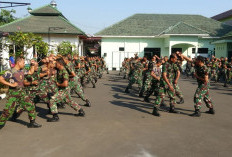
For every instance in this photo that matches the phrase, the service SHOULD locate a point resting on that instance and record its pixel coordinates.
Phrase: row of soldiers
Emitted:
(52, 80)
(219, 69)
(161, 76)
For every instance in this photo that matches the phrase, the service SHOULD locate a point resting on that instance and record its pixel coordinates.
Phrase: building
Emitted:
(49, 23)
(225, 17)
(160, 34)
(223, 46)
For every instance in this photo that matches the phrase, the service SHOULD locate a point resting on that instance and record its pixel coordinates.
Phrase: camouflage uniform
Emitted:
(170, 69)
(136, 75)
(74, 82)
(202, 91)
(17, 96)
(63, 94)
(214, 70)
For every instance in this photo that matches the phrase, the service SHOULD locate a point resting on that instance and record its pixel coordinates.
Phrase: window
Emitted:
(193, 50)
(121, 48)
(203, 50)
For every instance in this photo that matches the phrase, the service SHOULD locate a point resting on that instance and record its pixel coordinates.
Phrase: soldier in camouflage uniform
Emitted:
(88, 73)
(63, 93)
(214, 69)
(136, 74)
(16, 94)
(155, 73)
(166, 85)
(202, 92)
(74, 81)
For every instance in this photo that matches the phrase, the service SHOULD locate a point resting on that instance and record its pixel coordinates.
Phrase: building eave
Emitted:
(221, 41)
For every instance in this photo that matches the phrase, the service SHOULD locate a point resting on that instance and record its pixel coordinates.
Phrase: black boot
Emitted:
(81, 113)
(33, 124)
(181, 101)
(172, 110)
(55, 118)
(146, 99)
(197, 113)
(141, 94)
(15, 116)
(87, 103)
(94, 86)
(211, 111)
(1, 126)
(127, 90)
(124, 77)
(155, 112)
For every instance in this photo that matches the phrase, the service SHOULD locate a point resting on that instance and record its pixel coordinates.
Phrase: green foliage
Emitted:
(66, 47)
(7, 16)
(28, 40)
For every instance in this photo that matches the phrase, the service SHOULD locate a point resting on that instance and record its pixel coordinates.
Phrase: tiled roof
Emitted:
(43, 20)
(156, 24)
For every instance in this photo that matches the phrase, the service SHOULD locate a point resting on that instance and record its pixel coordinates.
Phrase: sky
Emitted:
(92, 16)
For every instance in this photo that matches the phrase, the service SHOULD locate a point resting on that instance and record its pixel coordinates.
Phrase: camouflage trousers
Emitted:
(146, 82)
(90, 78)
(75, 85)
(178, 92)
(63, 95)
(214, 74)
(17, 97)
(42, 94)
(153, 89)
(161, 95)
(202, 92)
(135, 79)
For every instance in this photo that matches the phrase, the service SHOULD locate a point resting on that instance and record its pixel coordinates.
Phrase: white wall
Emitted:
(131, 46)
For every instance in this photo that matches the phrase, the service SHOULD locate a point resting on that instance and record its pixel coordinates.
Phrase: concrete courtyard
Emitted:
(121, 125)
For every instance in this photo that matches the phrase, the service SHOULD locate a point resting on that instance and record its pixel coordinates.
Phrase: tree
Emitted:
(27, 41)
(66, 47)
(7, 16)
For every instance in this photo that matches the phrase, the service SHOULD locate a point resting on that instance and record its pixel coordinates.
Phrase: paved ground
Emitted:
(120, 125)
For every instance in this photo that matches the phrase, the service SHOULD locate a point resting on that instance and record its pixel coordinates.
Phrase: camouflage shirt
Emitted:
(62, 75)
(201, 72)
(170, 69)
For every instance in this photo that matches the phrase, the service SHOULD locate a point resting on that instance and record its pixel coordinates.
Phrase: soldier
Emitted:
(136, 74)
(16, 94)
(166, 85)
(202, 92)
(74, 82)
(64, 92)
(155, 81)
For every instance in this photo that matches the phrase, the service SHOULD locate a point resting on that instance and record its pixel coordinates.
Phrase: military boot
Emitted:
(172, 109)
(197, 113)
(1, 126)
(33, 124)
(181, 101)
(211, 111)
(15, 116)
(87, 103)
(146, 99)
(81, 113)
(127, 90)
(55, 118)
(155, 112)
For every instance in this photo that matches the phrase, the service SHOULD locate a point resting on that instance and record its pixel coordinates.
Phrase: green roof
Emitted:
(43, 21)
(156, 24)
(46, 10)
(183, 28)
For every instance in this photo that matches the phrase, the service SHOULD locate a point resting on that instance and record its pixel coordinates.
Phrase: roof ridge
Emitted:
(64, 19)
(178, 23)
(48, 5)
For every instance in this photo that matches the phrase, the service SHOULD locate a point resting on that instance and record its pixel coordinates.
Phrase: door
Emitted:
(150, 52)
(174, 50)
(229, 55)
